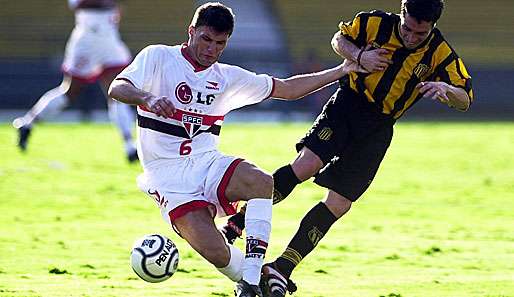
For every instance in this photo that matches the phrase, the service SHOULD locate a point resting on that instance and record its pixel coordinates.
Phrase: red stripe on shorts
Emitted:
(229, 207)
(185, 208)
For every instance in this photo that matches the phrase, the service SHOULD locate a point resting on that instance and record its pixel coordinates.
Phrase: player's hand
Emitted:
(161, 106)
(375, 60)
(434, 90)
(351, 66)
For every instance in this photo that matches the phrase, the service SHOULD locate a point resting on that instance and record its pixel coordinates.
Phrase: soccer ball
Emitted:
(154, 258)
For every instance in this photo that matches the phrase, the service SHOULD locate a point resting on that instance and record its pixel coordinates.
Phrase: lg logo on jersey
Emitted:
(184, 95)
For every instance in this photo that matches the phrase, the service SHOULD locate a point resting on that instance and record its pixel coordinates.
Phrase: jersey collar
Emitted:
(197, 67)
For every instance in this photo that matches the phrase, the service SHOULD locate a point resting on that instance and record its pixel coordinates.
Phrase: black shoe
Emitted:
(244, 289)
(23, 137)
(132, 157)
(274, 283)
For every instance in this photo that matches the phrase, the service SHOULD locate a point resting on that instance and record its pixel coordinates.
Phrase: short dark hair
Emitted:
(423, 10)
(215, 15)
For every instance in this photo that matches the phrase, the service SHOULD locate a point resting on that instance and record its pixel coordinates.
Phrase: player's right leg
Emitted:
(197, 227)
(114, 56)
(313, 227)
(47, 106)
(121, 114)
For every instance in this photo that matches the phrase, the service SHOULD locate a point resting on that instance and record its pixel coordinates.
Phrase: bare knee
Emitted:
(337, 204)
(306, 164)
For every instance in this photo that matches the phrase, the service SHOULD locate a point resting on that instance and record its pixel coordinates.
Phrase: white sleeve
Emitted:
(141, 71)
(248, 88)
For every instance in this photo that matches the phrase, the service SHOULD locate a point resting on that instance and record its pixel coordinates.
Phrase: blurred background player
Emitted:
(94, 52)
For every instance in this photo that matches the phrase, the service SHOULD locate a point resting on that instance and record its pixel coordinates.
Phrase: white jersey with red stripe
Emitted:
(202, 96)
(95, 44)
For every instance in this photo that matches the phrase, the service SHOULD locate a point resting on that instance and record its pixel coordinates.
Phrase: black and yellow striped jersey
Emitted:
(394, 90)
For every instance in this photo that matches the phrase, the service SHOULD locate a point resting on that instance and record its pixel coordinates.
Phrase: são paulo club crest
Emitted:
(183, 93)
(192, 124)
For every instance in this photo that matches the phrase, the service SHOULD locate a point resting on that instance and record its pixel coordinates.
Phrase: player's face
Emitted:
(206, 45)
(412, 32)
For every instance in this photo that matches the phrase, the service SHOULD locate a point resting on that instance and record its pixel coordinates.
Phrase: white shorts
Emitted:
(182, 185)
(90, 51)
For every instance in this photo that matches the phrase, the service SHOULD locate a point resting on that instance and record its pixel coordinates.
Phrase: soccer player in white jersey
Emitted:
(94, 52)
(183, 94)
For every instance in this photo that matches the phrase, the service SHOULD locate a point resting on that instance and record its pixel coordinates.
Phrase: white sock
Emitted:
(234, 268)
(258, 228)
(48, 106)
(122, 116)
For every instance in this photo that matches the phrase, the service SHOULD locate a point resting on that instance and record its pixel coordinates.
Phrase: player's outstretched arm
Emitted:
(124, 91)
(298, 86)
(445, 93)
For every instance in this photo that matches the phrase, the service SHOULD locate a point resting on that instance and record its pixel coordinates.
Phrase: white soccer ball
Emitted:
(154, 258)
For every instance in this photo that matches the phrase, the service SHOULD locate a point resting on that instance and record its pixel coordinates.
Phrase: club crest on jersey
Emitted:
(183, 93)
(325, 134)
(421, 70)
(192, 124)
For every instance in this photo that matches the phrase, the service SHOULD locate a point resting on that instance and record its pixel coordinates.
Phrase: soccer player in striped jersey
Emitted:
(405, 59)
(94, 52)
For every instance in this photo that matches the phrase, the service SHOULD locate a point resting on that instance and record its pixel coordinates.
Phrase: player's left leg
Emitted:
(198, 229)
(255, 186)
(313, 227)
(286, 178)
(120, 114)
(47, 106)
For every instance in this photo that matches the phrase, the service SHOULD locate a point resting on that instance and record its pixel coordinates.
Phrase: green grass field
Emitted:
(437, 221)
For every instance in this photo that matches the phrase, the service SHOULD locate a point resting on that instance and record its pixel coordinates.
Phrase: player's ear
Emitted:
(191, 31)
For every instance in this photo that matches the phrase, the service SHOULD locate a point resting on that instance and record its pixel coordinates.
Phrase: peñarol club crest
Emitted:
(192, 124)
(421, 70)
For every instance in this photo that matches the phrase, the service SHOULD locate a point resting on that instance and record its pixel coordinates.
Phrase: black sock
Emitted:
(285, 180)
(313, 227)
(234, 227)
(238, 219)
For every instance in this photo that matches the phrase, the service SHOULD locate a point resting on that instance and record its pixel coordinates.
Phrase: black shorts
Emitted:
(351, 138)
